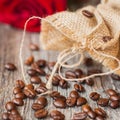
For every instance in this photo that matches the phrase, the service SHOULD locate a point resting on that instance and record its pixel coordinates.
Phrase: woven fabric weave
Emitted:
(66, 28)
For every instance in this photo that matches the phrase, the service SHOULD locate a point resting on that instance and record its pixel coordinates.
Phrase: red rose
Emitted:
(16, 12)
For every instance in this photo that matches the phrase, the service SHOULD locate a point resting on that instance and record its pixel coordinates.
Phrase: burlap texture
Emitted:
(64, 29)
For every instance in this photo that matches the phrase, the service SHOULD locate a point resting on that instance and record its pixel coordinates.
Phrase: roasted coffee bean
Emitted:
(35, 80)
(106, 38)
(17, 90)
(63, 84)
(81, 101)
(91, 114)
(15, 117)
(32, 72)
(115, 98)
(94, 96)
(78, 73)
(30, 93)
(115, 77)
(114, 104)
(88, 62)
(57, 115)
(14, 112)
(60, 97)
(87, 13)
(99, 118)
(10, 67)
(71, 101)
(50, 65)
(40, 71)
(59, 103)
(70, 74)
(41, 89)
(79, 88)
(80, 116)
(111, 92)
(55, 94)
(74, 94)
(37, 106)
(42, 101)
(41, 113)
(100, 112)
(20, 95)
(18, 101)
(41, 63)
(34, 66)
(103, 102)
(20, 84)
(10, 106)
(5, 116)
(34, 47)
(86, 108)
(55, 80)
(90, 82)
(29, 86)
(29, 60)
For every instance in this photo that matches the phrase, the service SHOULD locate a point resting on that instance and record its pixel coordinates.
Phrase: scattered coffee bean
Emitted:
(18, 101)
(115, 98)
(81, 101)
(10, 67)
(29, 86)
(63, 84)
(80, 116)
(5, 116)
(34, 47)
(99, 118)
(70, 74)
(115, 77)
(94, 96)
(20, 84)
(41, 113)
(30, 93)
(37, 106)
(17, 90)
(114, 104)
(15, 117)
(42, 101)
(60, 97)
(91, 114)
(14, 112)
(29, 60)
(41, 89)
(88, 62)
(55, 94)
(50, 65)
(106, 38)
(111, 92)
(57, 115)
(90, 82)
(10, 106)
(71, 101)
(86, 108)
(35, 80)
(32, 72)
(20, 95)
(40, 71)
(41, 63)
(100, 112)
(87, 14)
(74, 94)
(103, 102)
(79, 88)
(59, 103)
(78, 73)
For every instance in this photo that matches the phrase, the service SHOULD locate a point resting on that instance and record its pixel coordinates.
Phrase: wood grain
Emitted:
(9, 52)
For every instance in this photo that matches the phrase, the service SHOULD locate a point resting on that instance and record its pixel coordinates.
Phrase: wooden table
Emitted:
(9, 52)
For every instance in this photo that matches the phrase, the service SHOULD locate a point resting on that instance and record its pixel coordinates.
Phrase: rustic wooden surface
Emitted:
(9, 52)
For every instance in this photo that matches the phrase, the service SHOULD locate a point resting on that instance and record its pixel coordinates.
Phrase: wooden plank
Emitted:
(9, 52)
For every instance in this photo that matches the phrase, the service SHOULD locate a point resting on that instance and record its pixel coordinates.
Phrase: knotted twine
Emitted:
(75, 34)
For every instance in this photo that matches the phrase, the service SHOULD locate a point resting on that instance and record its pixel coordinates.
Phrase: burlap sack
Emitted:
(64, 29)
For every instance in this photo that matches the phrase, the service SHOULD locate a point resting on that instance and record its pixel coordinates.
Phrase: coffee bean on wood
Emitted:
(10, 66)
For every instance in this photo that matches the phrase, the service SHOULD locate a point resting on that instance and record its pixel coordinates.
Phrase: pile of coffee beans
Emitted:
(37, 86)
